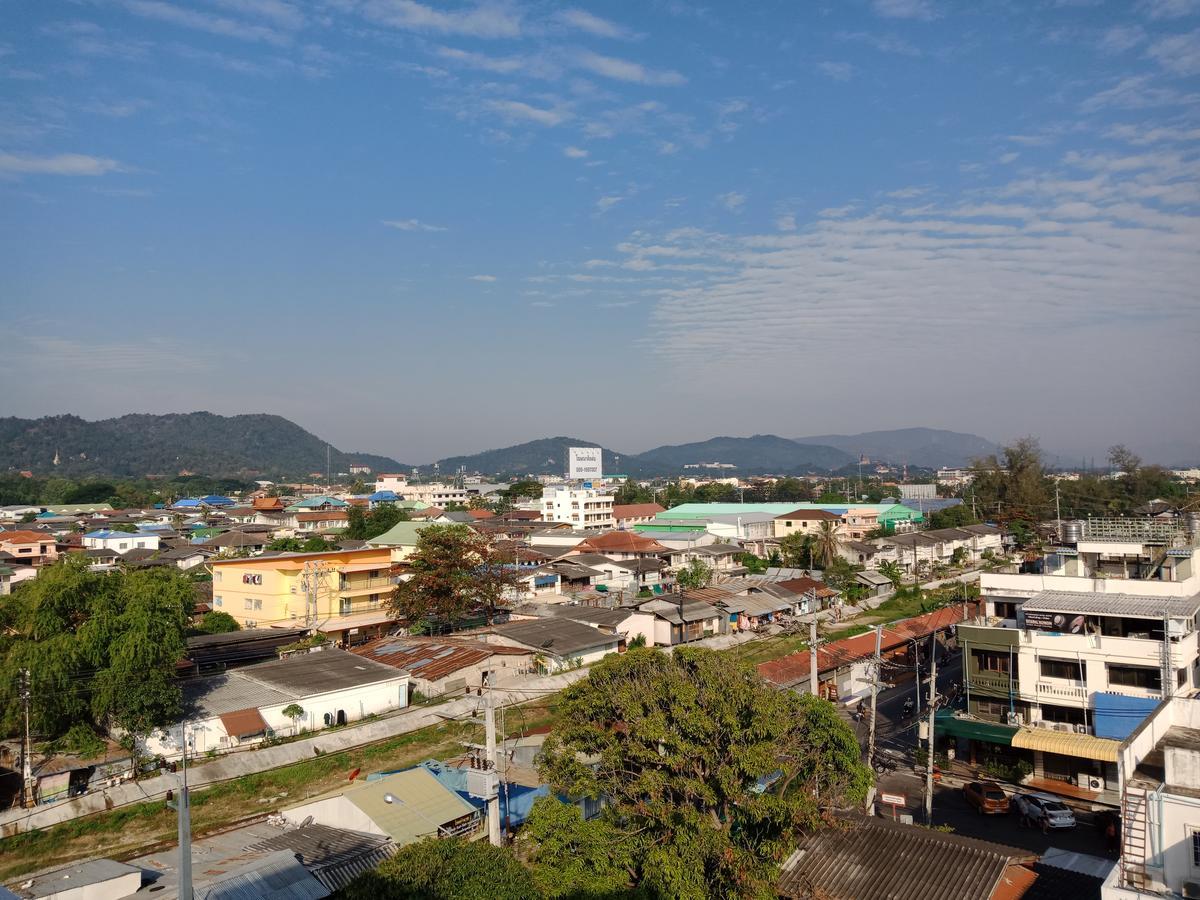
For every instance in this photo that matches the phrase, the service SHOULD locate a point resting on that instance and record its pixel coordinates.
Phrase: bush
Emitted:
(447, 870)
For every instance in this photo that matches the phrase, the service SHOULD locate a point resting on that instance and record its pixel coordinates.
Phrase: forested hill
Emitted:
(136, 445)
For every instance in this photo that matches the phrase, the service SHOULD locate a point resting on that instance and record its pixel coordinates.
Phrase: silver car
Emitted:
(1045, 811)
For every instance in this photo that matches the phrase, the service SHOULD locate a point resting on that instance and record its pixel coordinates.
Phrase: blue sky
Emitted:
(423, 229)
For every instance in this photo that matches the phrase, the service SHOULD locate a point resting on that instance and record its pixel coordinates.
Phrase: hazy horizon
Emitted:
(424, 230)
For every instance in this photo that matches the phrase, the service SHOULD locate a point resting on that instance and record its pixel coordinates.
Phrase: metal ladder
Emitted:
(1134, 834)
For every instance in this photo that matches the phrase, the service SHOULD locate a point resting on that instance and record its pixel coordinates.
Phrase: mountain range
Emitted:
(270, 446)
(199, 442)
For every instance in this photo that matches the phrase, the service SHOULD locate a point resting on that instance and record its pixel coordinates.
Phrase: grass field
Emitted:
(132, 830)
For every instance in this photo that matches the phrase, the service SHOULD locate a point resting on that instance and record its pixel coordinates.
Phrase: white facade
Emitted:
(120, 541)
(918, 491)
(584, 509)
(1161, 819)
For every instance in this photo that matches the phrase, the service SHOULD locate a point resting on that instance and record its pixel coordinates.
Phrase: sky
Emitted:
(426, 229)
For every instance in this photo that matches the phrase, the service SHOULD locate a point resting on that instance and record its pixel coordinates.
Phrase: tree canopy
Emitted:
(363, 525)
(455, 572)
(100, 647)
(707, 771)
(446, 869)
(696, 574)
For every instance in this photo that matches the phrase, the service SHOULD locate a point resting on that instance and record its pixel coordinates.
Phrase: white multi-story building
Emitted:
(954, 477)
(435, 493)
(584, 509)
(1066, 663)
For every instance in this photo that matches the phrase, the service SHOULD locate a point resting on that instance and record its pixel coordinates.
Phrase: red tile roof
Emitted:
(805, 584)
(268, 503)
(481, 513)
(621, 542)
(636, 510)
(330, 515)
(793, 669)
(25, 537)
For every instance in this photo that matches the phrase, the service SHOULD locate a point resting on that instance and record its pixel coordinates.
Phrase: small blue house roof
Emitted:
(216, 500)
(188, 503)
(383, 497)
(105, 533)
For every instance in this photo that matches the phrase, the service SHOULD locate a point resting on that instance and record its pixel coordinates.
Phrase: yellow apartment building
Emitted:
(341, 593)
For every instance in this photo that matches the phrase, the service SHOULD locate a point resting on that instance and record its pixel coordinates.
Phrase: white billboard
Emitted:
(583, 463)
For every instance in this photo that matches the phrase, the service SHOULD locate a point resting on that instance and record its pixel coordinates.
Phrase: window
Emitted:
(991, 661)
(995, 710)
(217, 601)
(1196, 847)
(1062, 668)
(217, 575)
(344, 607)
(1074, 715)
(1181, 677)
(249, 603)
(1135, 677)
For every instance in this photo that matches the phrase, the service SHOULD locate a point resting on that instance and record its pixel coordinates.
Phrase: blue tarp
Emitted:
(1115, 716)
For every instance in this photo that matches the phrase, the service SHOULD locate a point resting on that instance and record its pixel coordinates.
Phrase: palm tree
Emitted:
(828, 541)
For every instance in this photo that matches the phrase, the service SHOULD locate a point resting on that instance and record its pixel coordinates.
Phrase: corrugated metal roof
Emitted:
(557, 636)
(243, 722)
(277, 876)
(873, 859)
(420, 804)
(423, 659)
(1067, 743)
(1136, 605)
(334, 856)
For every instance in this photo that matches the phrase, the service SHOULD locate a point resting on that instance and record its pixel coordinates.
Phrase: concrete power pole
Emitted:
(932, 711)
(183, 809)
(874, 696)
(27, 792)
(812, 655)
(493, 792)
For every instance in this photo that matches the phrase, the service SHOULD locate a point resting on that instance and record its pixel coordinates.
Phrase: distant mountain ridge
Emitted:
(930, 448)
(201, 442)
(761, 453)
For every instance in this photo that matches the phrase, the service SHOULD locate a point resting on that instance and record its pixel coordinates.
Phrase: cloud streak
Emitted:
(69, 164)
(412, 225)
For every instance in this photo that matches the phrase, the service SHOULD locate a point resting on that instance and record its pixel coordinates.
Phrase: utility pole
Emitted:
(874, 696)
(932, 710)
(27, 746)
(493, 792)
(812, 654)
(183, 808)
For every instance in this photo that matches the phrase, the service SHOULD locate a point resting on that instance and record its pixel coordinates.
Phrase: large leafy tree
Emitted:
(446, 870)
(712, 772)
(99, 647)
(454, 572)
(363, 525)
(696, 574)
(571, 857)
(1013, 485)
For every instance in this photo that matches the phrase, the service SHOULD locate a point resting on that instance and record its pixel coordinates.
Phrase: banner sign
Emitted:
(583, 463)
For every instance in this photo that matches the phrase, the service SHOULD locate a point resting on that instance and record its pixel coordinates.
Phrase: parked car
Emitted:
(1045, 811)
(986, 797)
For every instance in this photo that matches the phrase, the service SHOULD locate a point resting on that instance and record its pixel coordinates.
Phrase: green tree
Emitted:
(286, 545)
(1015, 483)
(356, 524)
(447, 869)
(1124, 460)
(890, 569)
(696, 574)
(573, 858)
(295, 712)
(218, 622)
(828, 542)
(454, 572)
(798, 549)
(681, 747)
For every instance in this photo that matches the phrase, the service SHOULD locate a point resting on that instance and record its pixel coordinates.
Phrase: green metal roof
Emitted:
(419, 804)
(888, 512)
(402, 534)
(946, 723)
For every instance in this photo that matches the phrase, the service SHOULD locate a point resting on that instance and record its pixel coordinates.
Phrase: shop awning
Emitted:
(1067, 743)
(243, 722)
(975, 729)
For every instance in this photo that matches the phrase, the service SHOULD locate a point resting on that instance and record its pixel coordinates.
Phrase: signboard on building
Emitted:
(583, 463)
(1068, 623)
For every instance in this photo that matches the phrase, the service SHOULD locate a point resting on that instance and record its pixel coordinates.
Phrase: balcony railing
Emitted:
(1050, 689)
(991, 681)
(1150, 531)
(368, 584)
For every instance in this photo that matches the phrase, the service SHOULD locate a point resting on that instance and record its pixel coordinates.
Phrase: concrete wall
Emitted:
(334, 812)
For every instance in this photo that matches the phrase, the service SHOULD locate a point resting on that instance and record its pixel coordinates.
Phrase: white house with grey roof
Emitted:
(244, 706)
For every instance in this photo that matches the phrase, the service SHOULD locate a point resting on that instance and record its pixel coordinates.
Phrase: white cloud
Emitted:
(201, 21)
(1179, 53)
(117, 109)
(905, 193)
(1169, 9)
(732, 201)
(575, 153)
(502, 65)
(487, 20)
(1141, 135)
(484, 278)
(885, 43)
(604, 204)
(582, 20)
(1120, 38)
(517, 110)
(924, 10)
(283, 14)
(1136, 92)
(1007, 158)
(668, 148)
(62, 164)
(786, 223)
(626, 70)
(412, 225)
(838, 71)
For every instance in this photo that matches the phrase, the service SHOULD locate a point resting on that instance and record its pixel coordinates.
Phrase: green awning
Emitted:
(951, 726)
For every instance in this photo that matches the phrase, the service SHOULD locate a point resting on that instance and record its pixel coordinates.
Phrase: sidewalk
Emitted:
(235, 765)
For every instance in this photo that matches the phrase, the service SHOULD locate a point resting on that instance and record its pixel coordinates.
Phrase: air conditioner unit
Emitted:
(1082, 729)
(1065, 726)
(1089, 781)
